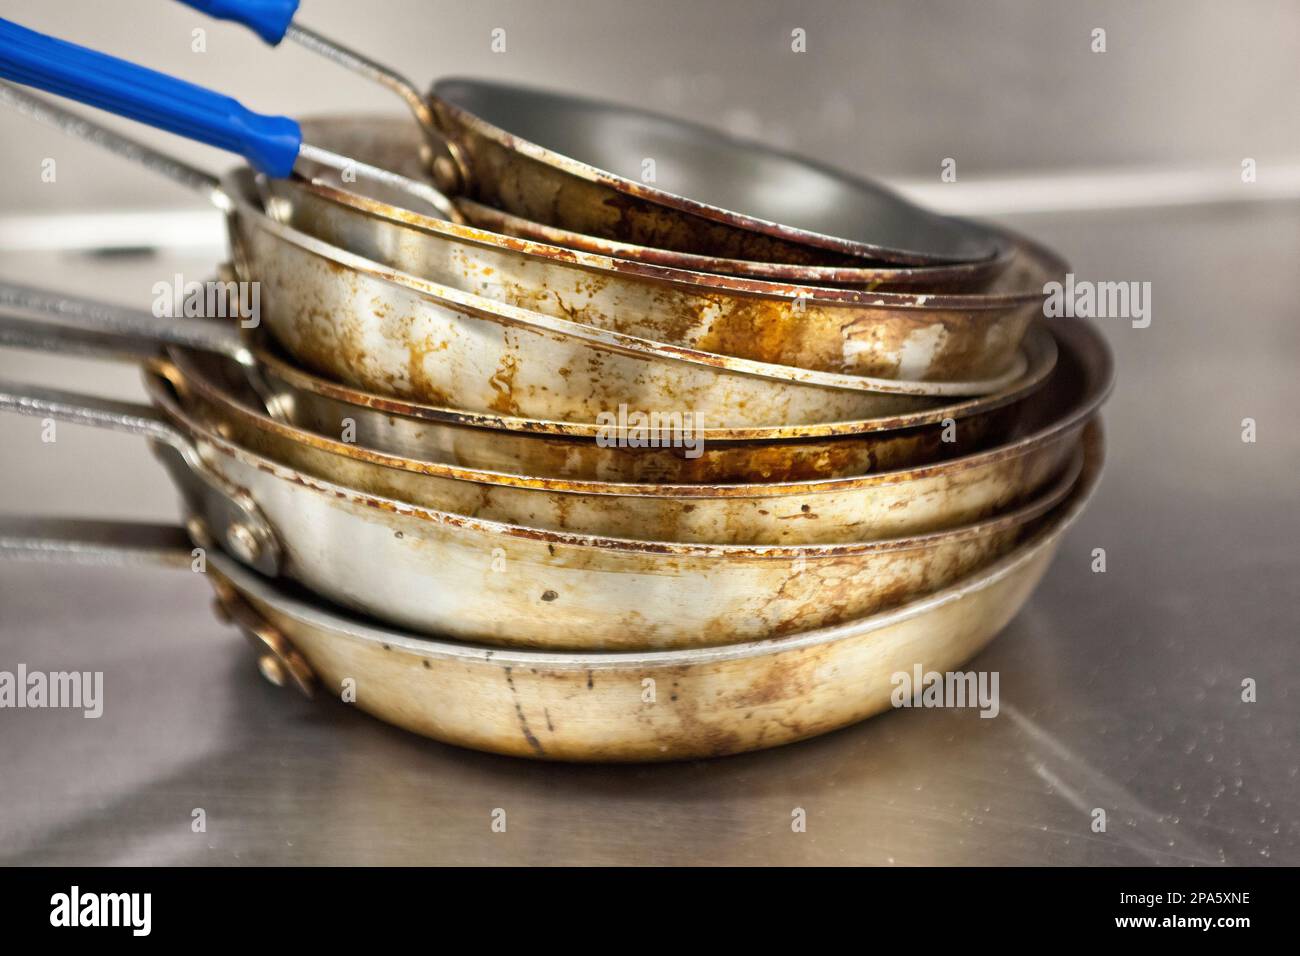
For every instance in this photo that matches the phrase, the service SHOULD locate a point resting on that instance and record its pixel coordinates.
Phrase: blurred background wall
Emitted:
(888, 87)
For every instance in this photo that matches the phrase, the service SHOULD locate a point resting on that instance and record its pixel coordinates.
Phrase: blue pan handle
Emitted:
(269, 143)
(270, 19)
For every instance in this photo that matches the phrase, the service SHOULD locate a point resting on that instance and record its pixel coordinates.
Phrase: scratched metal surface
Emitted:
(1119, 691)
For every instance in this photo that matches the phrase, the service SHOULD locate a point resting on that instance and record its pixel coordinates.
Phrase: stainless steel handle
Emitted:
(111, 322)
(80, 541)
(47, 337)
(47, 112)
(67, 324)
(449, 167)
(123, 543)
(226, 511)
(131, 417)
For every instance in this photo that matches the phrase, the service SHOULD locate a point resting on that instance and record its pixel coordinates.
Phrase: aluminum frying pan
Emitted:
(393, 139)
(889, 504)
(545, 448)
(469, 579)
(575, 162)
(591, 706)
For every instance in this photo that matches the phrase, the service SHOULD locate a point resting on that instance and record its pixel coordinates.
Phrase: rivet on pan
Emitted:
(198, 530)
(271, 669)
(221, 612)
(446, 175)
(243, 543)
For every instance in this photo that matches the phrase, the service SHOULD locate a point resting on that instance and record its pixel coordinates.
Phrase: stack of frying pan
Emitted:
(427, 471)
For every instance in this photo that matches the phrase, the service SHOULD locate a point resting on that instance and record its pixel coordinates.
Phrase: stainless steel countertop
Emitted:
(1119, 690)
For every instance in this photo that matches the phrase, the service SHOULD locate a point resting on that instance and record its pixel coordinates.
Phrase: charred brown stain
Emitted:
(552, 537)
(602, 205)
(502, 383)
(533, 742)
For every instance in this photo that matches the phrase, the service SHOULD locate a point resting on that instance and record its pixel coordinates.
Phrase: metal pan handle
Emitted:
(216, 503)
(54, 322)
(110, 323)
(87, 541)
(225, 510)
(45, 337)
(273, 21)
(52, 114)
(127, 543)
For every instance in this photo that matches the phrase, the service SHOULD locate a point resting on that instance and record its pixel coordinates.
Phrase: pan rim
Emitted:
(342, 623)
(703, 282)
(644, 349)
(1036, 375)
(202, 434)
(593, 174)
(835, 279)
(1058, 429)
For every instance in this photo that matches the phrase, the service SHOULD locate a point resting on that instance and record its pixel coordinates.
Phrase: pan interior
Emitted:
(729, 174)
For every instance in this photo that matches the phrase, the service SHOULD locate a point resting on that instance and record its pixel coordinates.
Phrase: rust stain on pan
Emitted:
(705, 312)
(968, 277)
(885, 504)
(713, 701)
(1041, 359)
(1093, 392)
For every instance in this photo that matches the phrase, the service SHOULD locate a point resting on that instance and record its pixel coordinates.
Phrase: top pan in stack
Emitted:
(638, 330)
(965, 341)
(557, 158)
(923, 336)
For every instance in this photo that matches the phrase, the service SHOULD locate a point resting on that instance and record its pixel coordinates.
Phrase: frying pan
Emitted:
(920, 336)
(637, 706)
(473, 579)
(890, 335)
(869, 508)
(542, 448)
(377, 139)
(388, 331)
(389, 139)
(392, 139)
(568, 160)
(962, 277)
(392, 332)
